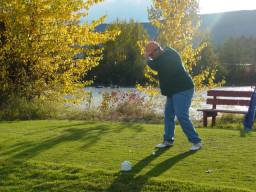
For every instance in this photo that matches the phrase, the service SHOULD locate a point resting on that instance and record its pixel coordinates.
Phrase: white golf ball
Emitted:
(126, 166)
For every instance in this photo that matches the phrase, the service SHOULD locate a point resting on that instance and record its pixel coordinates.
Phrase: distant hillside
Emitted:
(221, 26)
(231, 24)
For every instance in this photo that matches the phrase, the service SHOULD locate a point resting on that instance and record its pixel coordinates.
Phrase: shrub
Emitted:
(16, 108)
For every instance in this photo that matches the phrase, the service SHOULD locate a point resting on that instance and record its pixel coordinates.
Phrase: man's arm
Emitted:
(153, 65)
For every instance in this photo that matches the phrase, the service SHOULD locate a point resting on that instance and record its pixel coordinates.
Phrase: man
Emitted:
(177, 85)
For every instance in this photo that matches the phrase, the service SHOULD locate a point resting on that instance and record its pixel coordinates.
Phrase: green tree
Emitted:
(238, 59)
(238, 51)
(209, 59)
(122, 62)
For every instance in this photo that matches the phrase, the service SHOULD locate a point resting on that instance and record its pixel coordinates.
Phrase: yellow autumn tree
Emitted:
(39, 41)
(177, 24)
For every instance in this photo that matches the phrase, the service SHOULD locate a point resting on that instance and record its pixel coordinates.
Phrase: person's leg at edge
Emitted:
(182, 102)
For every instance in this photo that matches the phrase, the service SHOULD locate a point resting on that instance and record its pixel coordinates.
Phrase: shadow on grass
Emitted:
(90, 135)
(16, 148)
(58, 127)
(129, 182)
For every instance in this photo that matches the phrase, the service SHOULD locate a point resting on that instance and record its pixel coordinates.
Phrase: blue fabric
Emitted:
(178, 105)
(250, 116)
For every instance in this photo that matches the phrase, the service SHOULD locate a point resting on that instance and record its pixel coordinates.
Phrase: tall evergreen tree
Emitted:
(122, 62)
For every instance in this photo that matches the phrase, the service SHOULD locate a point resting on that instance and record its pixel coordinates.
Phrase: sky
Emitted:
(137, 9)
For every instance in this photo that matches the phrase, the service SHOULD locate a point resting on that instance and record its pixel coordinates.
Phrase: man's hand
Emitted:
(146, 55)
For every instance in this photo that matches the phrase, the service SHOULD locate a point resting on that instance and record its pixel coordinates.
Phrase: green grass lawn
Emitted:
(86, 156)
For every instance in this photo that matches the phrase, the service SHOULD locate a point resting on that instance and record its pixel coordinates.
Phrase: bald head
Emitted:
(153, 49)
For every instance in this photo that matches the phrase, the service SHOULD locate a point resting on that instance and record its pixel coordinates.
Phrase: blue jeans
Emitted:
(178, 105)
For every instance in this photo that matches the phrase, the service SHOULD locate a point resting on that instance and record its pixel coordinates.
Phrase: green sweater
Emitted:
(173, 78)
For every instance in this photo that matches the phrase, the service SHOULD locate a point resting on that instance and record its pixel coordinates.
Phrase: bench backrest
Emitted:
(240, 98)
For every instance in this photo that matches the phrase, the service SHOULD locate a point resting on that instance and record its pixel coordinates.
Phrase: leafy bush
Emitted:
(17, 108)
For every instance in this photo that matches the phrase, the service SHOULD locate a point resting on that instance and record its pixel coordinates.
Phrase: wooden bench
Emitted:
(225, 97)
